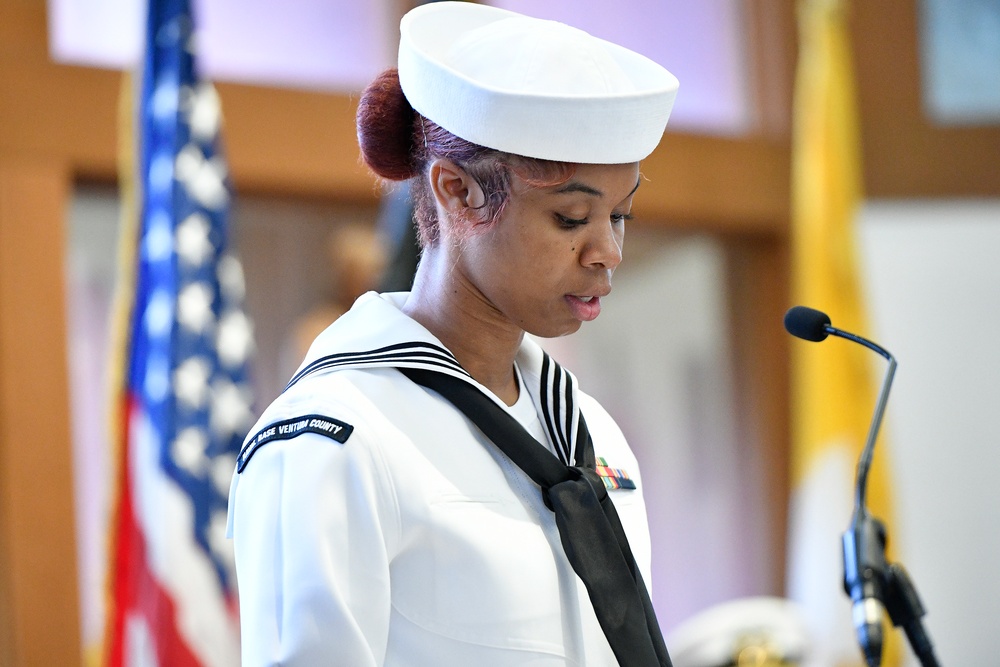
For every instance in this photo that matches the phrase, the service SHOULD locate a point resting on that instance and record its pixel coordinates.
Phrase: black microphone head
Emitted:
(807, 323)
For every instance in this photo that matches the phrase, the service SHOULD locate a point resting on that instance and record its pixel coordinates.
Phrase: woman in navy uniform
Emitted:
(432, 487)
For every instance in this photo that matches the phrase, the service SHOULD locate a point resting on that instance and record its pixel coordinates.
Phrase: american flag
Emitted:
(186, 403)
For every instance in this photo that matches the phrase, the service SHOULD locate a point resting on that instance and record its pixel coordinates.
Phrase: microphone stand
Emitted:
(867, 575)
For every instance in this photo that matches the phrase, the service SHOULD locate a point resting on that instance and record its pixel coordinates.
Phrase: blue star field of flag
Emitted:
(191, 340)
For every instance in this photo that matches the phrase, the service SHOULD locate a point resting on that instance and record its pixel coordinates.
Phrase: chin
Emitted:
(556, 331)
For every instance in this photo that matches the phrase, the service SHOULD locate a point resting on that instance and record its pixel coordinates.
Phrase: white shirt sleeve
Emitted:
(310, 520)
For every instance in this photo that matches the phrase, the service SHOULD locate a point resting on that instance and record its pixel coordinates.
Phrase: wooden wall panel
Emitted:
(716, 184)
(38, 541)
(758, 294)
(905, 154)
(304, 143)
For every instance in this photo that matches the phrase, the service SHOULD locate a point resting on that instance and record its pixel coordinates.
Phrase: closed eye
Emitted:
(570, 222)
(616, 218)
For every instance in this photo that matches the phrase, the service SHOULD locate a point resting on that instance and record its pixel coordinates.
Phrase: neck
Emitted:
(482, 340)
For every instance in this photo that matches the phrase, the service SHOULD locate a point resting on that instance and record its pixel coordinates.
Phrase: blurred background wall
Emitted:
(689, 356)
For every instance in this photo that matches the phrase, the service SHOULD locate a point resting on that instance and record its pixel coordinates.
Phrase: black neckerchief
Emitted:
(589, 527)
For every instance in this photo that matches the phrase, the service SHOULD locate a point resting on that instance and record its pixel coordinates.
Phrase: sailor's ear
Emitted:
(455, 190)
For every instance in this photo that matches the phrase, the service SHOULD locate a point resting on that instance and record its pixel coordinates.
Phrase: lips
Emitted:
(585, 308)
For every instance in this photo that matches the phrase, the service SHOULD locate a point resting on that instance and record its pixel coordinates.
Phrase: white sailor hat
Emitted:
(761, 631)
(532, 87)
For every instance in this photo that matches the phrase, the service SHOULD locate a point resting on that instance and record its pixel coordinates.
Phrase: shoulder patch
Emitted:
(289, 428)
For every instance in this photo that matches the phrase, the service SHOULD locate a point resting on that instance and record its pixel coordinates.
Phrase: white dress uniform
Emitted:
(374, 524)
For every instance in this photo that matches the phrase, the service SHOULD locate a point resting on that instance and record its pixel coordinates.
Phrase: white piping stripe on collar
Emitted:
(411, 354)
(560, 413)
(559, 408)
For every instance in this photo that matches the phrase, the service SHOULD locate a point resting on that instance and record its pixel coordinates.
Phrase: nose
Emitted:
(604, 248)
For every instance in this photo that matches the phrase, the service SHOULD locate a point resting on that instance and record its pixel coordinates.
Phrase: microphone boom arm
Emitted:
(868, 578)
(865, 462)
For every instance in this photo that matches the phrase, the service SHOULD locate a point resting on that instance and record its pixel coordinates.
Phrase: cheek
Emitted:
(552, 260)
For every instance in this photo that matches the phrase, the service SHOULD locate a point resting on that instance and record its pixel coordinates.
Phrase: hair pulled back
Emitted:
(398, 143)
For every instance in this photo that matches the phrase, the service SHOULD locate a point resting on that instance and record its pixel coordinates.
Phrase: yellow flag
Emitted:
(833, 388)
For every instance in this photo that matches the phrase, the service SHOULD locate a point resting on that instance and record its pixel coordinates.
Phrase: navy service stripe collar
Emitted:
(556, 391)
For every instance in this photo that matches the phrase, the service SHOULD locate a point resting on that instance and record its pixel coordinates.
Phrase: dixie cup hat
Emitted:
(760, 630)
(532, 87)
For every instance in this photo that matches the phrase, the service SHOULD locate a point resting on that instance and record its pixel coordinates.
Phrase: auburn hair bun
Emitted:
(385, 128)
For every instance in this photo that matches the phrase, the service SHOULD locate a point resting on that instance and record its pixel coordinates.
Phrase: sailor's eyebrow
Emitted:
(576, 186)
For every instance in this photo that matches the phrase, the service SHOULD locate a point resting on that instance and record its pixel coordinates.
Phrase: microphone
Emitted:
(807, 323)
(865, 568)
